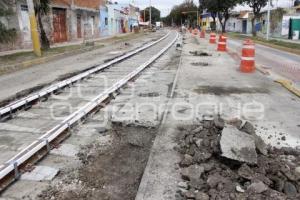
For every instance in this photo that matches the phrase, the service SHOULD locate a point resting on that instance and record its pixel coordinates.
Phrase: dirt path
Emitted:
(109, 173)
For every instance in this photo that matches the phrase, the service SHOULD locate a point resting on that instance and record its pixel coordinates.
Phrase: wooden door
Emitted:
(79, 34)
(59, 25)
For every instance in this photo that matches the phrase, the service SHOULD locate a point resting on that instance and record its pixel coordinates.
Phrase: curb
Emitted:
(22, 65)
(289, 86)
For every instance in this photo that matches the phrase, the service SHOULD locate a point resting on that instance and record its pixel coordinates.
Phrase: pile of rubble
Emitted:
(227, 160)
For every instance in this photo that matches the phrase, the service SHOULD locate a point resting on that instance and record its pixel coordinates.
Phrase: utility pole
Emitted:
(33, 26)
(268, 20)
(150, 15)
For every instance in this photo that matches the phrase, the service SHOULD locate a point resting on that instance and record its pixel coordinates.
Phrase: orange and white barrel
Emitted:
(202, 34)
(222, 44)
(248, 57)
(195, 31)
(212, 39)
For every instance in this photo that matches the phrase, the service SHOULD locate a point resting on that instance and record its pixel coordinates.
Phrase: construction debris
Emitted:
(222, 161)
(200, 53)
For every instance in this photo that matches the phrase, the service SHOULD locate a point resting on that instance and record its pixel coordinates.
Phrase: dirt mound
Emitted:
(208, 174)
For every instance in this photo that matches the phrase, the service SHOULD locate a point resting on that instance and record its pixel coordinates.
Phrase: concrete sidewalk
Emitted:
(64, 44)
(219, 88)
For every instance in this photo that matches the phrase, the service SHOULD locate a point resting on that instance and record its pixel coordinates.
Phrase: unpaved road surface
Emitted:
(113, 172)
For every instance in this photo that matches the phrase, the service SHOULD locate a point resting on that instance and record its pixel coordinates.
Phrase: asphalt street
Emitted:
(281, 62)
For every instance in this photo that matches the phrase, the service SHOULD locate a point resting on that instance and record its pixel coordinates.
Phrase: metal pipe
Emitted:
(268, 20)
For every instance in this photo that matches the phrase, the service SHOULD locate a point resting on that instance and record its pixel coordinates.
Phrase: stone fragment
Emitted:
(247, 127)
(239, 189)
(238, 146)
(219, 122)
(183, 185)
(213, 180)
(186, 161)
(201, 196)
(257, 187)
(246, 172)
(290, 189)
(193, 171)
(189, 195)
(40, 173)
(200, 157)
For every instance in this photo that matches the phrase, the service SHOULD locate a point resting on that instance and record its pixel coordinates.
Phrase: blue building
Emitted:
(103, 26)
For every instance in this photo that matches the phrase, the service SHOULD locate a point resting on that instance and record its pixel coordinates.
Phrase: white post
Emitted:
(268, 20)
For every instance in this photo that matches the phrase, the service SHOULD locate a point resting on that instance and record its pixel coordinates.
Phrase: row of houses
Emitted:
(284, 22)
(71, 20)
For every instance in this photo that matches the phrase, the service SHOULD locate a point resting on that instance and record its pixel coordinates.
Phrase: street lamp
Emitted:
(186, 12)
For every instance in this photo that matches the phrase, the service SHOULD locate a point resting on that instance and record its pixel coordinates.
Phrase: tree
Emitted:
(256, 6)
(220, 9)
(6, 34)
(42, 8)
(155, 14)
(182, 13)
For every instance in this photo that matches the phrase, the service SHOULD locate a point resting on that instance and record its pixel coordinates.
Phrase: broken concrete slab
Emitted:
(40, 173)
(66, 150)
(238, 146)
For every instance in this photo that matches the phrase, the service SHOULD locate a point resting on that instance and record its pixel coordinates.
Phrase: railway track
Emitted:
(29, 136)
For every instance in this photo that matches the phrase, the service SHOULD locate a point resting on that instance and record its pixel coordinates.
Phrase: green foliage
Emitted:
(155, 14)
(6, 35)
(220, 9)
(185, 12)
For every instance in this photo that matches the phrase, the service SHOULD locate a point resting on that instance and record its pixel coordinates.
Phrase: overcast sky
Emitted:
(165, 6)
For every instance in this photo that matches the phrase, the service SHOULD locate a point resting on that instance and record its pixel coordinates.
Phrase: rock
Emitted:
(238, 146)
(297, 171)
(207, 166)
(193, 171)
(247, 127)
(257, 187)
(196, 183)
(186, 161)
(246, 172)
(101, 129)
(198, 142)
(198, 129)
(189, 195)
(290, 189)
(214, 179)
(201, 196)
(200, 157)
(260, 145)
(182, 185)
(219, 122)
(239, 189)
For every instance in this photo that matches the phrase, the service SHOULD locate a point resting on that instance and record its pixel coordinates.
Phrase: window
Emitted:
(24, 7)
(106, 21)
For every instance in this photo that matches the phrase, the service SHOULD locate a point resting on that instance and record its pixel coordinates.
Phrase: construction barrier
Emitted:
(248, 54)
(195, 31)
(212, 39)
(202, 34)
(222, 46)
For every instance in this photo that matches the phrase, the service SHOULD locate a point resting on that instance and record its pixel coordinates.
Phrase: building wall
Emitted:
(104, 21)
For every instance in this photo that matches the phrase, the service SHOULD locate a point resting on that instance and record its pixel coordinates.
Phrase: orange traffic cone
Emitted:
(248, 54)
(212, 39)
(202, 34)
(222, 46)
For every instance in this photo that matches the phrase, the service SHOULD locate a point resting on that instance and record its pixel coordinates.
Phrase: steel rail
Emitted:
(42, 142)
(35, 96)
